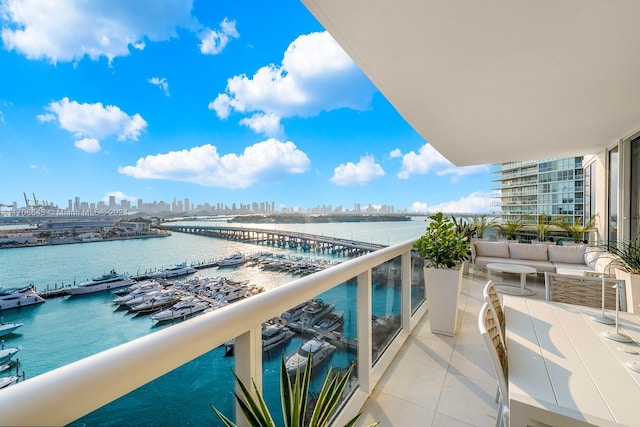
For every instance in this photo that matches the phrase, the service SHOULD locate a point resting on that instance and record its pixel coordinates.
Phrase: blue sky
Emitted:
(219, 101)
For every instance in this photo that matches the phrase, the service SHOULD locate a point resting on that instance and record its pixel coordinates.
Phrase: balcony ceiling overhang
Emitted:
(501, 80)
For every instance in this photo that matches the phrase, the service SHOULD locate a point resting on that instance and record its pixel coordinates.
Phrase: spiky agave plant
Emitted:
(294, 399)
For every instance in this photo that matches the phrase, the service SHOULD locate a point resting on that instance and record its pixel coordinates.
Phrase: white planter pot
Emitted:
(443, 293)
(632, 290)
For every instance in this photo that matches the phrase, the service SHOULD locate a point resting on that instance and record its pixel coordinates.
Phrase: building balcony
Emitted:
(413, 378)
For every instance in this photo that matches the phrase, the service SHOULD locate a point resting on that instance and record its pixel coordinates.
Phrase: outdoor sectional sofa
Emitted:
(574, 259)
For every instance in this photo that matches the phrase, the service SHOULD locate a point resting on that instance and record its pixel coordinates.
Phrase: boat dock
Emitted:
(281, 238)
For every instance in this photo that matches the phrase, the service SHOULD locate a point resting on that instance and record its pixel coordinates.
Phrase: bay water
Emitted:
(66, 329)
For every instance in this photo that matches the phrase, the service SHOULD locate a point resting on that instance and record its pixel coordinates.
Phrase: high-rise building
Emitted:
(553, 187)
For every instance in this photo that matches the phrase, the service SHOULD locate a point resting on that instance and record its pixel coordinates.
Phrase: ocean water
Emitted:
(66, 329)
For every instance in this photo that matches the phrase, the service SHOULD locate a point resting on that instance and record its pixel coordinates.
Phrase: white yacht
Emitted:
(182, 309)
(319, 349)
(111, 280)
(7, 353)
(177, 270)
(18, 297)
(7, 328)
(137, 290)
(7, 381)
(273, 335)
(331, 322)
(235, 259)
(314, 311)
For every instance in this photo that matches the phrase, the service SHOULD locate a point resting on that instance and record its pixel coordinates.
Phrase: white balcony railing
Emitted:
(63, 395)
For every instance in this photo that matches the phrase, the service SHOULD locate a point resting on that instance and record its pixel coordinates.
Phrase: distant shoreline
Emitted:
(108, 239)
(313, 219)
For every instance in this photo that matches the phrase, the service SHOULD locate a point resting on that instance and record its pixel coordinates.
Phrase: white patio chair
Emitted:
(490, 331)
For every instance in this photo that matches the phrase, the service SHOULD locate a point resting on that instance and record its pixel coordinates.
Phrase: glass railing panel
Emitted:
(418, 292)
(326, 324)
(386, 305)
(179, 398)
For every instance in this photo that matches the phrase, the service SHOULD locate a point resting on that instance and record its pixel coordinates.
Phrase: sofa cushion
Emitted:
(591, 255)
(492, 249)
(537, 252)
(573, 269)
(605, 263)
(566, 254)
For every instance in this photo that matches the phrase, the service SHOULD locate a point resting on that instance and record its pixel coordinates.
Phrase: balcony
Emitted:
(415, 375)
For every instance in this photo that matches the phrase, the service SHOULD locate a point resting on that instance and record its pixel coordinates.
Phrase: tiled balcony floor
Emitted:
(443, 381)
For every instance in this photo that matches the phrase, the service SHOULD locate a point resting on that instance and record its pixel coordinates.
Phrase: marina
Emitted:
(79, 326)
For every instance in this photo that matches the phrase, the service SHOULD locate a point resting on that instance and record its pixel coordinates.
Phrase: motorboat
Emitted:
(274, 335)
(232, 293)
(5, 365)
(235, 259)
(148, 296)
(7, 381)
(181, 269)
(156, 303)
(136, 291)
(182, 309)
(111, 280)
(18, 297)
(314, 311)
(7, 353)
(317, 347)
(7, 328)
(294, 314)
(331, 322)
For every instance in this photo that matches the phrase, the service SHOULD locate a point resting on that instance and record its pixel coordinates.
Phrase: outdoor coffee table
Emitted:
(506, 288)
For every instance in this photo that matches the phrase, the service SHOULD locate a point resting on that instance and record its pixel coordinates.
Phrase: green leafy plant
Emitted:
(482, 223)
(442, 245)
(510, 228)
(542, 225)
(576, 229)
(294, 398)
(464, 227)
(627, 255)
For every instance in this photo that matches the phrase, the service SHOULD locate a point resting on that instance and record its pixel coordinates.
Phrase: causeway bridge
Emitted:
(281, 239)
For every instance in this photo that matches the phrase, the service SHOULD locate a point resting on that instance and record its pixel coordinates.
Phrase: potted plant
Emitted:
(444, 250)
(576, 229)
(296, 406)
(482, 223)
(626, 261)
(542, 225)
(469, 230)
(510, 228)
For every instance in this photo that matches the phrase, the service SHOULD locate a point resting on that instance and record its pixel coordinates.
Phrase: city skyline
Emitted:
(33, 205)
(226, 101)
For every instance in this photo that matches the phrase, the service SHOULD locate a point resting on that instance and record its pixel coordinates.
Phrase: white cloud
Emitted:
(477, 202)
(264, 162)
(357, 173)
(394, 154)
(162, 83)
(68, 30)
(429, 160)
(90, 145)
(213, 42)
(315, 75)
(93, 122)
(266, 124)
